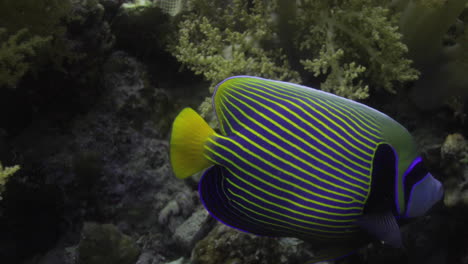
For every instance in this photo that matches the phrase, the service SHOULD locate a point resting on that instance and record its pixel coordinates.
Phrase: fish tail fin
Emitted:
(189, 135)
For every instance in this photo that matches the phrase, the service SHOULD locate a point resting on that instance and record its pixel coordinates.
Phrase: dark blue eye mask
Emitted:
(422, 190)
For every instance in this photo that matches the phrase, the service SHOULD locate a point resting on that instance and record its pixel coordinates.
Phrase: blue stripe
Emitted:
(288, 180)
(307, 163)
(348, 108)
(295, 131)
(329, 128)
(306, 223)
(344, 214)
(309, 99)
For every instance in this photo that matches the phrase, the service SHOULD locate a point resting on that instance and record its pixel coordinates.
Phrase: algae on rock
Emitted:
(5, 173)
(106, 244)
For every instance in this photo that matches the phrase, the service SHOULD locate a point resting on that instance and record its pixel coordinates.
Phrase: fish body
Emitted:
(293, 161)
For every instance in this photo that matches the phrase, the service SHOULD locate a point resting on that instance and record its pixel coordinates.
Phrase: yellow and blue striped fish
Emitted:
(294, 161)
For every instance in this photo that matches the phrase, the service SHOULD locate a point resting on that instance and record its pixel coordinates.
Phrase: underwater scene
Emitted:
(233, 131)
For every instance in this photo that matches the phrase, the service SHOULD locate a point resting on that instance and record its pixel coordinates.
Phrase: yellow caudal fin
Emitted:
(189, 134)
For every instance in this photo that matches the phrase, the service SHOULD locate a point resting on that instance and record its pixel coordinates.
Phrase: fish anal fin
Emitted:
(382, 226)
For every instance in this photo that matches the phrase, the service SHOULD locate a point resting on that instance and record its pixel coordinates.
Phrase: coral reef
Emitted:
(435, 35)
(13, 54)
(193, 229)
(222, 39)
(105, 244)
(91, 135)
(350, 44)
(5, 173)
(31, 33)
(454, 154)
(226, 245)
(149, 41)
(356, 43)
(110, 165)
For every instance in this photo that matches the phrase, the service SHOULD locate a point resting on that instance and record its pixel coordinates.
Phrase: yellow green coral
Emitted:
(231, 39)
(14, 53)
(355, 44)
(5, 173)
(349, 46)
(31, 34)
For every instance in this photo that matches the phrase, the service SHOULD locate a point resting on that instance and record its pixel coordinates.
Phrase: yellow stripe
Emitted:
(298, 159)
(309, 106)
(220, 114)
(346, 123)
(291, 154)
(293, 218)
(367, 119)
(347, 104)
(279, 115)
(371, 130)
(304, 171)
(327, 99)
(292, 144)
(310, 165)
(320, 131)
(240, 213)
(282, 228)
(212, 151)
(294, 135)
(292, 230)
(287, 182)
(294, 203)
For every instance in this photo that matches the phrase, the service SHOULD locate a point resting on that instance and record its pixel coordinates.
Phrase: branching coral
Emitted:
(219, 40)
(355, 43)
(437, 40)
(14, 53)
(424, 23)
(31, 34)
(5, 173)
(351, 45)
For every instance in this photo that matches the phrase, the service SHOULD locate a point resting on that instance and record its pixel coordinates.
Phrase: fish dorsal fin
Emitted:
(383, 226)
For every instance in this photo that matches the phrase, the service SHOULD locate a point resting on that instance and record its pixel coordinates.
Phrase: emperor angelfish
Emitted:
(293, 161)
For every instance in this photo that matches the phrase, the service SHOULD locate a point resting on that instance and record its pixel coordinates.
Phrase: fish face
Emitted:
(424, 194)
(421, 189)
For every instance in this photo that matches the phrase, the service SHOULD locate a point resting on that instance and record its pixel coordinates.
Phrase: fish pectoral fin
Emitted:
(382, 226)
